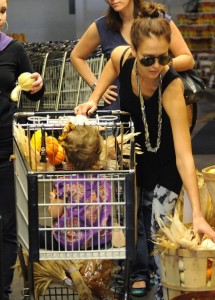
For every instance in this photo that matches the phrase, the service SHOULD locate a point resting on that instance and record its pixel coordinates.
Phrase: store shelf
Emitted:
(196, 19)
(198, 30)
(206, 6)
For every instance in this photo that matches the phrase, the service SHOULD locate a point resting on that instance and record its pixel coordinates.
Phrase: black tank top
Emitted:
(152, 168)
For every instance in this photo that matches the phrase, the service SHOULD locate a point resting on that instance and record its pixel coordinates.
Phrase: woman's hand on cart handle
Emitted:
(87, 108)
(38, 84)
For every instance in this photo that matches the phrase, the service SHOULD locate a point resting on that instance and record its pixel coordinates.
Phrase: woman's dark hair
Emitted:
(113, 20)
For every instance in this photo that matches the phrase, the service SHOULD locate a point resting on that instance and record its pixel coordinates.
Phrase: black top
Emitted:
(13, 61)
(152, 168)
(109, 39)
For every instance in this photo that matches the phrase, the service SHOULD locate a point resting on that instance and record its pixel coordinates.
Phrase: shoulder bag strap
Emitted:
(122, 57)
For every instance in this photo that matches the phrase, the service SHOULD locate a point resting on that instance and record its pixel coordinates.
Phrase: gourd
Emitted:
(212, 171)
(51, 146)
(25, 83)
(209, 272)
(58, 158)
(208, 244)
(36, 140)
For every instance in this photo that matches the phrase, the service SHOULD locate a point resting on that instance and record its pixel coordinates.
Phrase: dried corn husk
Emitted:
(108, 159)
(211, 214)
(97, 274)
(51, 271)
(176, 235)
(73, 267)
(204, 195)
(85, 277)
(42, 279)
(163, 242)
(118, 237)
(209, 177)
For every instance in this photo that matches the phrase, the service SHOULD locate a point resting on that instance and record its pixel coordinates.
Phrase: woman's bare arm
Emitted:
(174, 104)
(183, 58)
(109, 74)
(84, 48)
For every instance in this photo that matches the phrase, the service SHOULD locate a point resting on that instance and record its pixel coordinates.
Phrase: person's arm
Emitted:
(55, 211)
(108, 75)
(38, 88)
(84, 48)
(38, 83)
(25, 65)
(174, 104)
(182, 57)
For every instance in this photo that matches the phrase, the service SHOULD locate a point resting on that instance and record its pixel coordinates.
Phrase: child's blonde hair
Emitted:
(83, 146)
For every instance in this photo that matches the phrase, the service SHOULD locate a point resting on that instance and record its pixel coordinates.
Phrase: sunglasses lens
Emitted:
(147, 61)
(164, 60)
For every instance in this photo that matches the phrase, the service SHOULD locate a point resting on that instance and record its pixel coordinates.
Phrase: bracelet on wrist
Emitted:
(93, 86)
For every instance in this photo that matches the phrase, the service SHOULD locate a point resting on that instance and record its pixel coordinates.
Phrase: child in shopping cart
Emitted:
(82, 216)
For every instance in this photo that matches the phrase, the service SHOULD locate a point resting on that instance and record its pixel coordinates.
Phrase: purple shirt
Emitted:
(87, 215)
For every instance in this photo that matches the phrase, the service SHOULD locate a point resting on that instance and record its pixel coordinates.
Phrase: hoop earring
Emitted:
(5, 23)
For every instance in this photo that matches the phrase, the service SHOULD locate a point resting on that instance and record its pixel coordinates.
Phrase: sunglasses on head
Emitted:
(149, 60)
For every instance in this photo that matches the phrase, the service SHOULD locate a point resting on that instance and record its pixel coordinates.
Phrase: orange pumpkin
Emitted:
(58, 158)
(51, 146)
(209, 273)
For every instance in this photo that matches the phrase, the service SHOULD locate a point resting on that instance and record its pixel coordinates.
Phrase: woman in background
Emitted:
(113, 30)
(13, 62)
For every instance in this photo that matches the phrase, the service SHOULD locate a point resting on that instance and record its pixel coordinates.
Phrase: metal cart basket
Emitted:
(35, 179)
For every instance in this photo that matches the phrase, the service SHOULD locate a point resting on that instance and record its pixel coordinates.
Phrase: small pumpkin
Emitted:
(58, 158)
(51, 146)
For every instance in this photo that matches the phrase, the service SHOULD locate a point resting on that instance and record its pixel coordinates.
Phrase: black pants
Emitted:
(8, 214)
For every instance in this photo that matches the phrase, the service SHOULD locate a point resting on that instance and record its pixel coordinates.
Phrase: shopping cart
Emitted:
(34, 180)
(64, 87)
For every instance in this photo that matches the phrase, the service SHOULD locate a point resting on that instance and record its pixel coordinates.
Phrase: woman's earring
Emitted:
(5, 24)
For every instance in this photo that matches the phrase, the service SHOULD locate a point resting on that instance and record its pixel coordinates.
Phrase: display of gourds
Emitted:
(54, 151)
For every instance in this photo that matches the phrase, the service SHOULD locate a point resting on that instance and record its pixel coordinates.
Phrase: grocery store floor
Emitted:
(206, 112)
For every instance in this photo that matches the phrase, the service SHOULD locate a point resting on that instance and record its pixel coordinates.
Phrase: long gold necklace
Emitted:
(147, 138)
